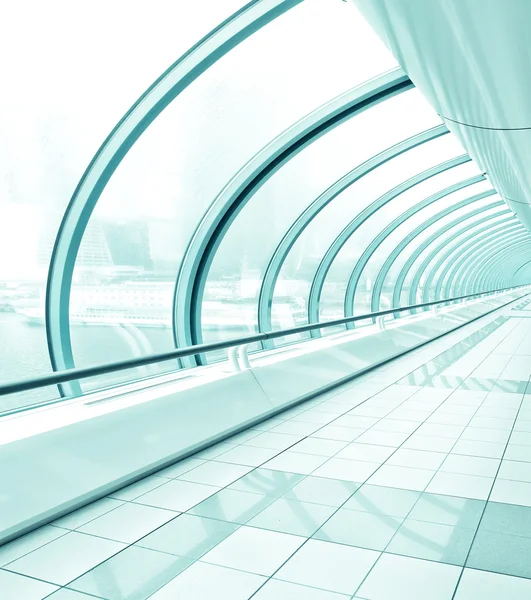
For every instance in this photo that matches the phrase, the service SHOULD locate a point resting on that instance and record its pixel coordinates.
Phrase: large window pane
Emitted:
(70, 72)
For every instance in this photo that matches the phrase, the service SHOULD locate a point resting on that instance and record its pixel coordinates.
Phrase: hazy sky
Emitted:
(71, 69)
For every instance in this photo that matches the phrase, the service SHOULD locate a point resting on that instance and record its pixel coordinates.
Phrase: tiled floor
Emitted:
(411, 483)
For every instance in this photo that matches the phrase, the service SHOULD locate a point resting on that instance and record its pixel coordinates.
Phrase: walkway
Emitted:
(412, 483)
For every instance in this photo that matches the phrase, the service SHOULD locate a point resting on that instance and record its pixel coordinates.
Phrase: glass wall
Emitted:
(319, 227)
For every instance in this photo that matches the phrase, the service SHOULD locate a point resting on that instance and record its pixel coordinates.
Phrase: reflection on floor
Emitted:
(412, 483)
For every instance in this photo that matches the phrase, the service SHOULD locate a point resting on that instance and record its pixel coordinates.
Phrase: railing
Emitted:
(86, 372)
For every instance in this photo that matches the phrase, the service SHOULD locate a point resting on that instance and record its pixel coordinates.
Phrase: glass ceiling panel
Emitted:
(174, 172)
(306, 254)
(354, 248)
(71, 70)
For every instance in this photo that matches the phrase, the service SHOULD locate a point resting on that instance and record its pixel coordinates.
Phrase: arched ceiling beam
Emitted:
(281, 252)
(211, 230)
(357, 222)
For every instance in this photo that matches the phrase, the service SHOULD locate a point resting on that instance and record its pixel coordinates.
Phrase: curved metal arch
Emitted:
(497, 266)
(509, 264)
(410, 237)
(521, 267)
(469, 275)
(456, 247)
(146, 109)
(214, 225)
(471, 253)
(281, 252)
(397, 292)
(353, 226)
(449, 268)
(471, 241)
(513, 265)
(480, 274)
(468, 260)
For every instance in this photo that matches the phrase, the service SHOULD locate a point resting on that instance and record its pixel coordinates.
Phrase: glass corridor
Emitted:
(275, 168)
(261, 171)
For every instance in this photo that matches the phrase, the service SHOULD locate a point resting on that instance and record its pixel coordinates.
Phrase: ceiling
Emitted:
(472, 61)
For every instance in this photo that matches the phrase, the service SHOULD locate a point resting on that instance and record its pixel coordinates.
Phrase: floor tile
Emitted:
(177, 495)
(366, 410)
(133, 491)
(482, 585)
(511, 492)
(432, 541)
(274, 441)
(386, 501)
(402, 477)
(253, 550)
(18, 587)
(203, 581)
(342, 434)
(267, 482)
(66, 594)
(355, 421)
(128, 523)
(482, 449)
(448, 510)
(292, 516)
(28, 543)
(522, 425)
(507, 518)
(233, 506)
(366, 453)
(183, 466)
(402, 578)
(432, 429)
(456, 484)
(383, 438)
(318, 446)
(283, 590)
(521, 453)
(134, 573)
(346, 470)
(490, 423)
(521, 438)
(442, 418)
(321, 490)
(395, 426)
(328, 566)
(486, 435)
(295, 462)
(471, 465)
(84, 515)
(314, 416)
(508, 554)
(419, 459)
(214, 473)
(431, 444)
(66, 558)
(361, 529)
(514, 470)
(188, 535)
(248, 456)
(410, 415)
(295, 428)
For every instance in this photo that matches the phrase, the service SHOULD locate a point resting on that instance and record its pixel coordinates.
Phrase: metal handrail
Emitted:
(86, 372)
